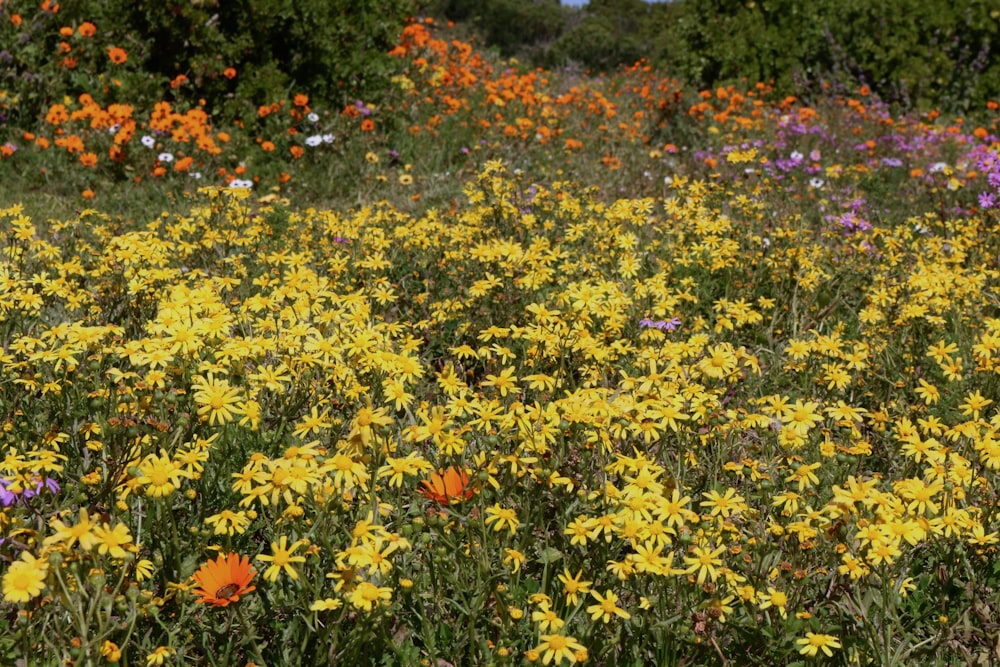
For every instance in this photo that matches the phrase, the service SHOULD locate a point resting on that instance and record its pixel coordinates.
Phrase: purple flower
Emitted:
(986, 200)
(7, 498)
(662, 325)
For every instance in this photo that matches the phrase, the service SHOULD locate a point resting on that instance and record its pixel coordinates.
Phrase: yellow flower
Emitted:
(228, 522)
(558, 647)
(327, 604)
(282, 558)
(513, 559)
(572, 586)
(216, 399)
(24, 579)
(159, 656)
(606, 607)
(704, 561)
(143, 570)
(812, 643)
(160, 474)
(501, 518)
(774, 598)
(110, 651)
(112, 540)
(547, 619)
(68, 535)
(367, 595)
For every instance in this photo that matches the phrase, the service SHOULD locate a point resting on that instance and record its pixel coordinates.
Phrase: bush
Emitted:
(238, 53)
(913, 54)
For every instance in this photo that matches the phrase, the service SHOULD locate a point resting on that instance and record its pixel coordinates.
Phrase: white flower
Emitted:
(796, 156)
(196, 175)
(313, 117)
(815, 182)
(937, 166)
(165, 157)
(314, 140)
(237, 184)
(327, 138)
(148, 141)
(114, 128)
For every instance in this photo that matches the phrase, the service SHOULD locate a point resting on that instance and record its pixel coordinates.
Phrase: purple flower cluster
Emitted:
(988, 163)
(662, 325)
(8, 497)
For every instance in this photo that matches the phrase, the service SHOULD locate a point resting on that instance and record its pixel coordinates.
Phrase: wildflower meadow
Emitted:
(505, 366)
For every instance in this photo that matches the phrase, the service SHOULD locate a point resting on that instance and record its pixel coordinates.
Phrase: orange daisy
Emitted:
(447, 486)
(224, 580)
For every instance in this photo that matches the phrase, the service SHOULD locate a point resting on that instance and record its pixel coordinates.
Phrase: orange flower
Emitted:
(367, 125)
(267, 146)
(447, 486)
(117, 55)
(57, 114)
(88, 194)
(229, 72)
(87, 29)
(224, 580)
(88, 159)
(296, 151)
(66, 31)
(300, 100)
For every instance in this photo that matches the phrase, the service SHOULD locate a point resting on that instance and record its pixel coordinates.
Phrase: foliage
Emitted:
(914, 54)
(237, 55)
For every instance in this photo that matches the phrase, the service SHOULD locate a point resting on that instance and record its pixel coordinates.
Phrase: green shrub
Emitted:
(913, 54)
(236, 54)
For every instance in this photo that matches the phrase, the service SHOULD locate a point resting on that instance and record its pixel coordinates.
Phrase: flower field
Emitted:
(512, 367)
